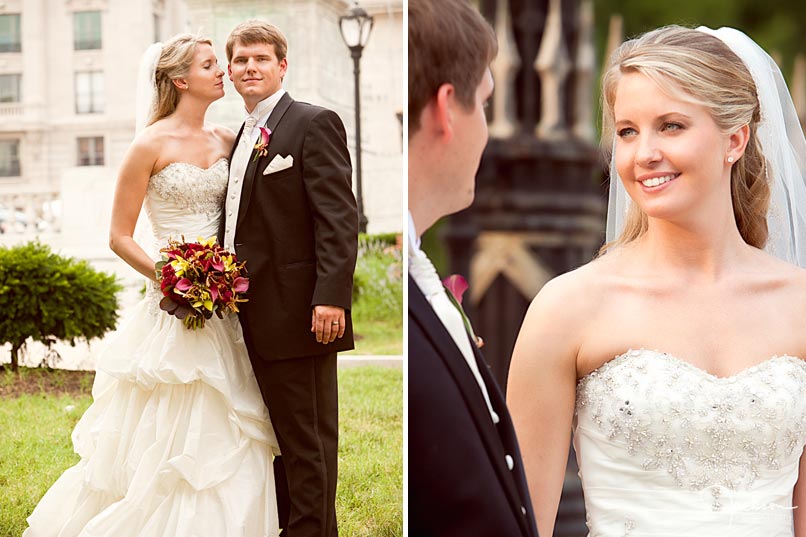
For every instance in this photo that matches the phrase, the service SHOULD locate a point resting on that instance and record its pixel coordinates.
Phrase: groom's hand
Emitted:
(328, 323)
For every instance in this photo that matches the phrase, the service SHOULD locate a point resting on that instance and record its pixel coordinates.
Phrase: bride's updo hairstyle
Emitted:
(175, 61)
(696, 67)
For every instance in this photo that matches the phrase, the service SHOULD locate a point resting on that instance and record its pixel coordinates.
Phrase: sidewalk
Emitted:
(350, 360)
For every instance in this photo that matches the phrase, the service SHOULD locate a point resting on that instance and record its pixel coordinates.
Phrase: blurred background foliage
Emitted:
(779, 26)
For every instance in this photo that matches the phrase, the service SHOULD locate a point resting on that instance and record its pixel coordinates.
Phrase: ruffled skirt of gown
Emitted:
(177, 442)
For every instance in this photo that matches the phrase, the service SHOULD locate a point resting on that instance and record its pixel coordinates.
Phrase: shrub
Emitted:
(385, 239)
(48, 297)
(378, 280)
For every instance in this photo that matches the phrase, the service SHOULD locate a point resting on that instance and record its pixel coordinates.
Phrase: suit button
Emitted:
(523, 510)
(230, 213)
(510, 462)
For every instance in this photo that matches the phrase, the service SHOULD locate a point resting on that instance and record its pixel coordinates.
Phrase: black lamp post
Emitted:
(355, 27)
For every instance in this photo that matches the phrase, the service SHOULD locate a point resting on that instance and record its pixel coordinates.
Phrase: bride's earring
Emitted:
(730, 159)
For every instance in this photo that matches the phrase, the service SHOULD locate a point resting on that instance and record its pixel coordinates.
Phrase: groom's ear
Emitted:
(229, 72)
(436, 118)
(442, 111)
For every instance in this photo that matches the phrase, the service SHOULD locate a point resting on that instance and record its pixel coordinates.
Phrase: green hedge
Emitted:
(47, 297)
(378, 279)
(383, 239)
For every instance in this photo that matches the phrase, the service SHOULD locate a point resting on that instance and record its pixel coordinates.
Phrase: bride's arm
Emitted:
(541, 391)
(129, 194)
(799, 500)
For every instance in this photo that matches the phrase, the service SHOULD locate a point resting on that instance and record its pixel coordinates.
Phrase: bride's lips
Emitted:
(653, 182)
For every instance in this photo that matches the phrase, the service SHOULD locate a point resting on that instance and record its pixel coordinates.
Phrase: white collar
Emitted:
(414, 240)
(264, 108)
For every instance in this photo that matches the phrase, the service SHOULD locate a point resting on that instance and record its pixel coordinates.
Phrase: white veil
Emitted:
(146, 96)
(782, 143)
(145, 107)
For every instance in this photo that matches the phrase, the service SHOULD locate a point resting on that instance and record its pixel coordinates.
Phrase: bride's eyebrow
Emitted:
(663, 117)
(673, 115)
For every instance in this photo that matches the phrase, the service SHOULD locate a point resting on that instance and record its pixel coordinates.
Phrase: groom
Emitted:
(291, 215)
(465, 471)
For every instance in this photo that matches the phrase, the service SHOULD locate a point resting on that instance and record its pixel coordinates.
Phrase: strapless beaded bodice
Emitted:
(665, 448)
(183, 199)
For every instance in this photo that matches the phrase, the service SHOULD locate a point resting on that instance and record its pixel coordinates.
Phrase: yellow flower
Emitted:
(180, 266)
(206, 242)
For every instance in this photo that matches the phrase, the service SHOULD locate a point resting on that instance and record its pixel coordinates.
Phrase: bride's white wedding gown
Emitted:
(178, 441)
(668, 450)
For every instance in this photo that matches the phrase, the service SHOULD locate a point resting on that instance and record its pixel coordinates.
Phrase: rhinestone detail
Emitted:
(197, 190)
(704, 431)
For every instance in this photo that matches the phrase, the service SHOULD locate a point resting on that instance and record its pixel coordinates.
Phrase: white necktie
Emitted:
(427, 279)
(240, 161)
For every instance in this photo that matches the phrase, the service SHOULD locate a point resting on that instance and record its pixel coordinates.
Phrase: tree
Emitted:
(776, 25)
(47, 297)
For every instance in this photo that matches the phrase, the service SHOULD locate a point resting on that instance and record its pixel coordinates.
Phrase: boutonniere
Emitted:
(456, 285)
(262, 146)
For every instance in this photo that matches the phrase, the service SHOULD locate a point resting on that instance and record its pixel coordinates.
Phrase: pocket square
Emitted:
(278, 164)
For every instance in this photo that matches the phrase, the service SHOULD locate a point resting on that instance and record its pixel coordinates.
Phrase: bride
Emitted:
(178, 440)
(676, 357)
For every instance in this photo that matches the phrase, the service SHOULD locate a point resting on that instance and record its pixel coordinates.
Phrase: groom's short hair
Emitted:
(449, 43)
(254, 31)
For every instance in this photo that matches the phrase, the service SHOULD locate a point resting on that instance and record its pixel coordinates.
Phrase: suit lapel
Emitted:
(251, 170)
(421, 312)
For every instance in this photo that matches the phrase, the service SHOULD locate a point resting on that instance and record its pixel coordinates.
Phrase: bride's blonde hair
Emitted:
(699, 68)
(175, 61)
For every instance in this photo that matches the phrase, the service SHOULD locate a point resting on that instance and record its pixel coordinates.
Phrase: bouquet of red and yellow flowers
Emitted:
(199, 279)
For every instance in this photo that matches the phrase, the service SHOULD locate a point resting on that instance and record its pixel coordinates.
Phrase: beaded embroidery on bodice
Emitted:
(191, 188)
(183, 200)
(665, 425)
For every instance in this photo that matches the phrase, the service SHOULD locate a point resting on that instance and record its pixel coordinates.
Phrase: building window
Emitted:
(91, 151)
(87, 30)
(157, 28)
(9, 158)
(89, 92)
(10, 88)
(10, 37)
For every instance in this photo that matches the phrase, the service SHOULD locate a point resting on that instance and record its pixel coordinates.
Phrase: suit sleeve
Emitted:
(327, 175)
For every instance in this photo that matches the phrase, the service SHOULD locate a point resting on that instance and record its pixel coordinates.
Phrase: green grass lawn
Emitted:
(35, 448)
(377, 337)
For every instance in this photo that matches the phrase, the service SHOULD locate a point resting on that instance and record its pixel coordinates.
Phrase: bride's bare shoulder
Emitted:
(572, 297)
(154, 136)
(768, 272)
(587, 281)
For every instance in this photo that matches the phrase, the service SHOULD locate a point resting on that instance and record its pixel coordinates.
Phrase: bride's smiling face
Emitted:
(670, 154)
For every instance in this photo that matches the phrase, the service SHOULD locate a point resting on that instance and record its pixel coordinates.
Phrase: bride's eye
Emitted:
(627, 131)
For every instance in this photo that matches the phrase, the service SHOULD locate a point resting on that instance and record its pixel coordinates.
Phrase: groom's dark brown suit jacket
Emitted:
(297, 231)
